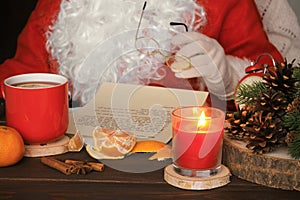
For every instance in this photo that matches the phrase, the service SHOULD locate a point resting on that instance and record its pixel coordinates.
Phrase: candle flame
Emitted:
(202, 121)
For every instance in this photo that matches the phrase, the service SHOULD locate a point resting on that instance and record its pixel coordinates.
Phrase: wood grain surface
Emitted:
(30, 179)
(276, 169)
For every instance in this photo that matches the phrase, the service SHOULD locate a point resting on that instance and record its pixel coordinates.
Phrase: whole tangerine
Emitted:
(12, 146)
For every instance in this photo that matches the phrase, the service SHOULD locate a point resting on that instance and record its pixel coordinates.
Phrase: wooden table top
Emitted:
(31, 178)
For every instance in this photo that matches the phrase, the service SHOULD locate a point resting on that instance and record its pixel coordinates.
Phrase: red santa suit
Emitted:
(234, 24)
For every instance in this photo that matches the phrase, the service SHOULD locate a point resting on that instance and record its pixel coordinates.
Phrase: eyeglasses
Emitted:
(148, 46)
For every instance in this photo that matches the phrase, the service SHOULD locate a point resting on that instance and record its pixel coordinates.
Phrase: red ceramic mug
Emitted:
(37, 106)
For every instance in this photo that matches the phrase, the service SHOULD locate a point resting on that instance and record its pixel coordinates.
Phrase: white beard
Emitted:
(93, 40)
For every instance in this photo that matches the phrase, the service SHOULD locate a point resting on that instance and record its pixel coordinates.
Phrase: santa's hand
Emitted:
(207, 60)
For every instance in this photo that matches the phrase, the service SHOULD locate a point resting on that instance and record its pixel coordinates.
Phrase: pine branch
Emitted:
(292, 121)
(296, 72)
(294, 147)
(247, 92)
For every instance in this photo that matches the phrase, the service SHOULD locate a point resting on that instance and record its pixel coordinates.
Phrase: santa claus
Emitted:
(94, 41)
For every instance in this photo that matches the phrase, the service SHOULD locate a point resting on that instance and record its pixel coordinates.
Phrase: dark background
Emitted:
(14, 15)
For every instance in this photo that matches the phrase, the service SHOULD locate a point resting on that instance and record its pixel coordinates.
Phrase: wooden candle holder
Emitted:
(195, 183)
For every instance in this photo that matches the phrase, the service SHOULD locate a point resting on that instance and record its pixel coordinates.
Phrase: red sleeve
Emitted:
(238, 28)
(31, 54)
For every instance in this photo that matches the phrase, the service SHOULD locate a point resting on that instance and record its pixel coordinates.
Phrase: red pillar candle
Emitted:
(197, 137)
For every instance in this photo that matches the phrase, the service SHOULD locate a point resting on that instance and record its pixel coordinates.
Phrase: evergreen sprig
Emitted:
(296, 74)
(246, 93)
(292, 121)
(294, 147)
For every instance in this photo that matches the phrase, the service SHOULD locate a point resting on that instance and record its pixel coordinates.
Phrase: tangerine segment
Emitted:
(12, 146)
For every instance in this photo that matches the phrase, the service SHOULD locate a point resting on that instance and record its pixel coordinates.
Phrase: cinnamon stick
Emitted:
(95, 166)
(58, 165)
(74, 162)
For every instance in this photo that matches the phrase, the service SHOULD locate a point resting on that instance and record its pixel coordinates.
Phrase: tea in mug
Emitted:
(35, 84)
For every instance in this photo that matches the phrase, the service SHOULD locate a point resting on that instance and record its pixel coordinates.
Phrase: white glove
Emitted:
(221, 73)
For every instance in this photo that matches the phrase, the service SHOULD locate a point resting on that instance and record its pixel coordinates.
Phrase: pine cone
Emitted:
(282, 79)
(290, 137)
(291, 119)
(237, 122)
(294, 106)
(265, 127)
(272, 101)
(266, 132)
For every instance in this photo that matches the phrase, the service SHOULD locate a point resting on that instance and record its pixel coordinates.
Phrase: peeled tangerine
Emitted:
(110, 143)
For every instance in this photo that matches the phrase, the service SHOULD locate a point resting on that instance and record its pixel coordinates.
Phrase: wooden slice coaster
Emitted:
(195, 183)
(276, 169)
(59, 146)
